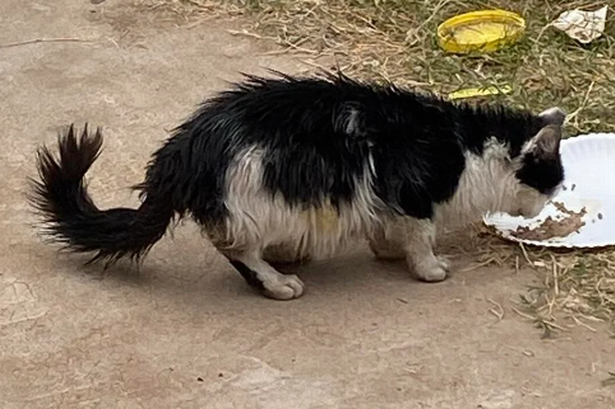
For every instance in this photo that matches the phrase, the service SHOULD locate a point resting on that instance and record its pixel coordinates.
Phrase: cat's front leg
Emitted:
(420, 241)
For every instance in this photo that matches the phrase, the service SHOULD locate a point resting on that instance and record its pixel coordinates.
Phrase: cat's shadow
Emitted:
(182, 271)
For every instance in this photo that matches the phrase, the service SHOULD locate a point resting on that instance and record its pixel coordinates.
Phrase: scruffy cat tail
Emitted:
(69, 215)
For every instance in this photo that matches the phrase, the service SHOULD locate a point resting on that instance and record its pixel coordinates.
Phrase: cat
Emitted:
(284, 168)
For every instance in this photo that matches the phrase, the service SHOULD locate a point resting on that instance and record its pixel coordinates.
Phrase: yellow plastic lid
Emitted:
(480, 31)
(480, 92)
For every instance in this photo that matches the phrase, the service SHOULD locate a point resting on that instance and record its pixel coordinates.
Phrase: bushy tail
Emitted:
(70, 216)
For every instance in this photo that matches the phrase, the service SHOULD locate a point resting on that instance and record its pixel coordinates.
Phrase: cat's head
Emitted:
(539, 170)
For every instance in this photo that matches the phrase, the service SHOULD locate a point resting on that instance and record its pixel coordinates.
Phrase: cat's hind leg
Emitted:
(261, 275)
(284, 253)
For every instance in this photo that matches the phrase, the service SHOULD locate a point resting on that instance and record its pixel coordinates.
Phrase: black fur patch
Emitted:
(542, 174)
(248, 274)
(317, 134)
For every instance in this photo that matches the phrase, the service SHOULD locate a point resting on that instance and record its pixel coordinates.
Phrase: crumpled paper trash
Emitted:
(583, 26)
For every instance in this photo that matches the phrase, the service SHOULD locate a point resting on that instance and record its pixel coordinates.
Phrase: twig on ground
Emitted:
(45, 40)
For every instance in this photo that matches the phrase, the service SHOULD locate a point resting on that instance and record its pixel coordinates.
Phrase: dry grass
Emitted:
(395, 40)
(572, 288)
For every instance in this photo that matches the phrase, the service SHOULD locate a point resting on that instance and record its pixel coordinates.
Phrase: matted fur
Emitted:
(292, 168)
(258, 218)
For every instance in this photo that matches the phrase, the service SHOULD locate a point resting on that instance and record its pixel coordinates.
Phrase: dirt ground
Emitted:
(186, 331)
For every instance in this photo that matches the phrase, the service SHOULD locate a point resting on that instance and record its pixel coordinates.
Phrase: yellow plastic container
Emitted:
(480, 31)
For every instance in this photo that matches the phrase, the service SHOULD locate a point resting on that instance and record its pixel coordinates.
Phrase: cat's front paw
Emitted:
(432, 269)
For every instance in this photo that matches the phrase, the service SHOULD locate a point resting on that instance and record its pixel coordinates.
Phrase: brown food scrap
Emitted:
(562, 209)
(553, 228)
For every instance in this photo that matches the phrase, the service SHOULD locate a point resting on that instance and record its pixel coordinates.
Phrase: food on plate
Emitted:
(553, 227)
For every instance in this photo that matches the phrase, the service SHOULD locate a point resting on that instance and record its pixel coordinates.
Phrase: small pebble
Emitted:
(599, 216)
(573, 186)
(199, 379)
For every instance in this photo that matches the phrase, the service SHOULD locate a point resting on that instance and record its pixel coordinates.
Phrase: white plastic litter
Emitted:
(583, 26)
(589, 165)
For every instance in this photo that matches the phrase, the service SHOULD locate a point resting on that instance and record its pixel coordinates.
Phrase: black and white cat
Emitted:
(286, 168)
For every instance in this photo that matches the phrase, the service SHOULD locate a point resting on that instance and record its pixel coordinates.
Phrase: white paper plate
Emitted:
(589, 165)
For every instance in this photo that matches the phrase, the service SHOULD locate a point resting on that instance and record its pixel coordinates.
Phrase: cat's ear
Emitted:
(546, 143)
(553, 116)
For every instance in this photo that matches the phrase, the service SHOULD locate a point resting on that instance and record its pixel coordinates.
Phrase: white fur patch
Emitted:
(352, 123)
(257, 219)
(488, 184)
